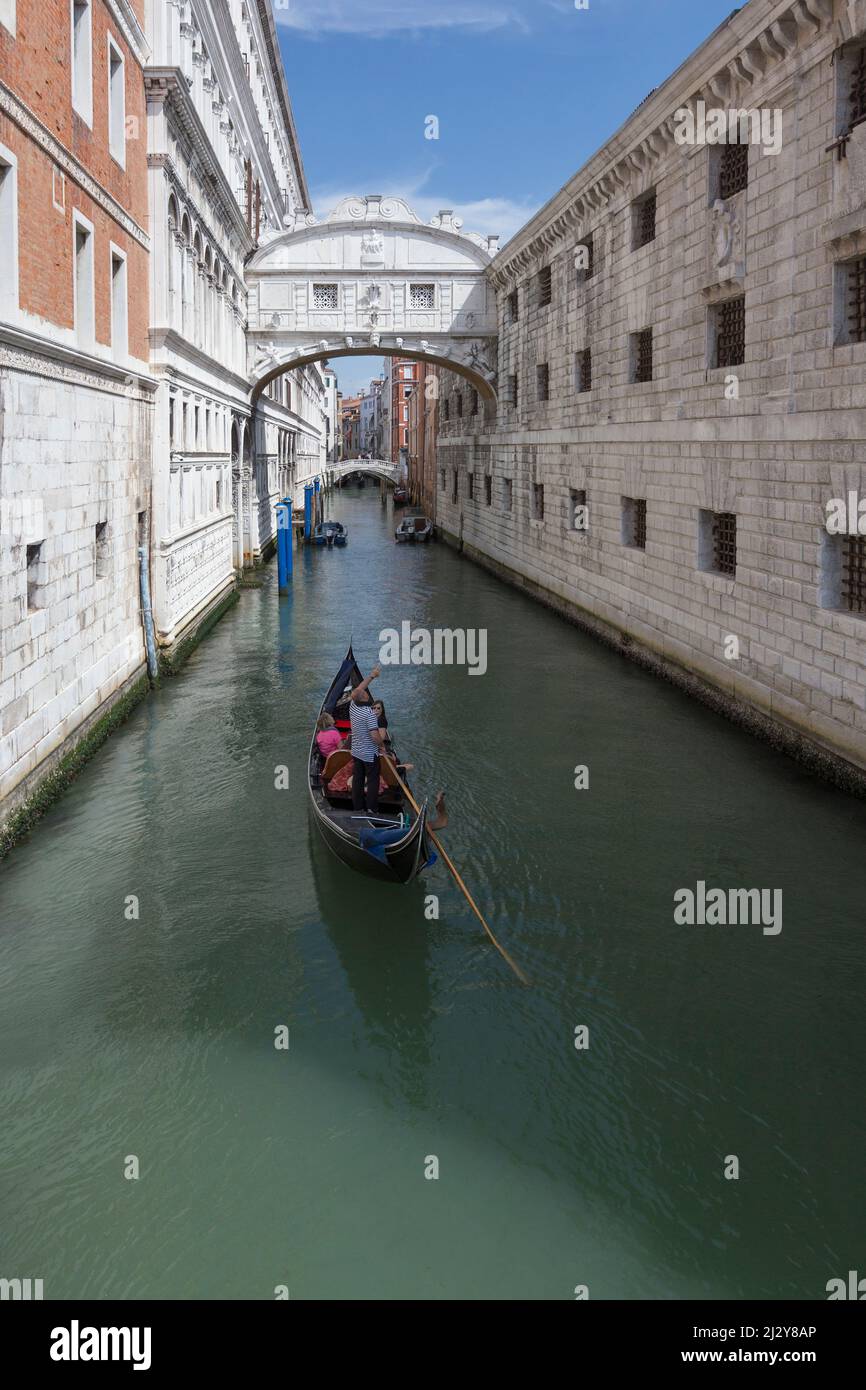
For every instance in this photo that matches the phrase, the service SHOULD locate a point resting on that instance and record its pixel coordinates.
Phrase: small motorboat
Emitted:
(317, 536)
(391, 845)
(401, 496)
(335, 533)
(414, 528)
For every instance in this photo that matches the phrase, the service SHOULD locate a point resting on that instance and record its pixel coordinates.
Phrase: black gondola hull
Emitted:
(400, 862)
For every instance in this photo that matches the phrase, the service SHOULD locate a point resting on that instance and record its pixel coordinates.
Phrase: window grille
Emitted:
(725, 543)
(325, 297)
(854, 573)
(857, 91)
(584, 370)
(422, 297)
(855, 308)
(734, 170)
(543, 381)
(731, 332)
(545, 286)
(643, 367)
(645, 229)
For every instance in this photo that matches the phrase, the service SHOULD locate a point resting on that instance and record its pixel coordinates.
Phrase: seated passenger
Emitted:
(328, 736)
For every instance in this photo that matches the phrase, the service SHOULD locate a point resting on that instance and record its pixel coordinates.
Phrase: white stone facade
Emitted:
(768, 441)
(224, 171)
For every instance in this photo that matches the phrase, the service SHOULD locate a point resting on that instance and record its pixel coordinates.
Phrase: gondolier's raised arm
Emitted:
(362, 688)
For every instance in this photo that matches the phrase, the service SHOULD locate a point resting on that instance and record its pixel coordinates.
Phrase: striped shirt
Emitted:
(364, 720)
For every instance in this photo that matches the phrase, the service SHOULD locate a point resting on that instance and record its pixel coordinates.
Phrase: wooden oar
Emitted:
(468, 896)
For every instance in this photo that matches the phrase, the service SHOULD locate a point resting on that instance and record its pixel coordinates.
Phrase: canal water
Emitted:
(409, 1039)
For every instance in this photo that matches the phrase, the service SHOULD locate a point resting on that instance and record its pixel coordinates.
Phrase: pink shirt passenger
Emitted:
(329, 740)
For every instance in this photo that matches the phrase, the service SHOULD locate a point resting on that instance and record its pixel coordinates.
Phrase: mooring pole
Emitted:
(284, 544)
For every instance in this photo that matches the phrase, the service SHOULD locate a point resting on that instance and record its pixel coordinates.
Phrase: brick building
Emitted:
(403, 375)
(75, 392)
(681, 363)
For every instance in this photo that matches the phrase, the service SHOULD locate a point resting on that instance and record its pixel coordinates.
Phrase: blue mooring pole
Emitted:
(284, 544)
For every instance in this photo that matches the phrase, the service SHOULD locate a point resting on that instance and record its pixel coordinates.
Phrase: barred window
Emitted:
(474, 402)
(733, 170)
(488, 489)
(584, 370)
(507, 494)
(512, 390)
(584, 259)
(422, 297)
(854, 573)
(855, 300)
(634, 522)
(470, 486)
(731, 332)
(545, 286)
(644, 220)
(642, 355)
(538, 501)
(512, 307)
(446, 409)
(725, 543)
(459, 399)
(454, 485)
(542, 377)
(442, 479)
(578, 511)
(325, 297)
(857, 90)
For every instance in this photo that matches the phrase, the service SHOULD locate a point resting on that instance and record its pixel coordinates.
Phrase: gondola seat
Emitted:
(334, 762)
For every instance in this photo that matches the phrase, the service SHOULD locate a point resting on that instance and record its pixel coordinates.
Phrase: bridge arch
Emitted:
(373, 280)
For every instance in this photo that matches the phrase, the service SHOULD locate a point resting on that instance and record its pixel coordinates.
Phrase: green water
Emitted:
(409, 1038)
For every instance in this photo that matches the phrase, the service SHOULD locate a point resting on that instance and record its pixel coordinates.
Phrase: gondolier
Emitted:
(367, 740)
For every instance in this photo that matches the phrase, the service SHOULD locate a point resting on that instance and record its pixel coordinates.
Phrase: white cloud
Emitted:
(489, 216)
(373, 18)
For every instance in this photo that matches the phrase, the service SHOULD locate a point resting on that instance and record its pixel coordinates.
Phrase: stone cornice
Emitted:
(267, 21)
(740, 53)
(126, 20)
(169, 85)
(170, 338)
(24, 350)
(218, 16)
(30, 124)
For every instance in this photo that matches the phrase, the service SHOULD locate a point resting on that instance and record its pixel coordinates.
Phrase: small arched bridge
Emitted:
(374, 468)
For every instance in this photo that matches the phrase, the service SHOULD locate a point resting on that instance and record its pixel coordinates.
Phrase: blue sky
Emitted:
(524, 91)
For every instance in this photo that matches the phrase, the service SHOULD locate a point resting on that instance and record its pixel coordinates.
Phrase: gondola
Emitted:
(391, 846)
(414, 528)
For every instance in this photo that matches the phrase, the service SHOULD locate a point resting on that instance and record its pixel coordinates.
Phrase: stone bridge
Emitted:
(373, 279)
(374, 468)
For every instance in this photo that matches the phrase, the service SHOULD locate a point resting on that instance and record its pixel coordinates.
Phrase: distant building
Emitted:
(351, 426)
(404, 378)
(423, 429)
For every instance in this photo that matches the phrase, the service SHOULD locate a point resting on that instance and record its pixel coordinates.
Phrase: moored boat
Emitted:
(414, 528)
(401, 496)
(393, 844)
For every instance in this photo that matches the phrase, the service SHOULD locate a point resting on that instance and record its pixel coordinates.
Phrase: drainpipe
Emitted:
(146, 605)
